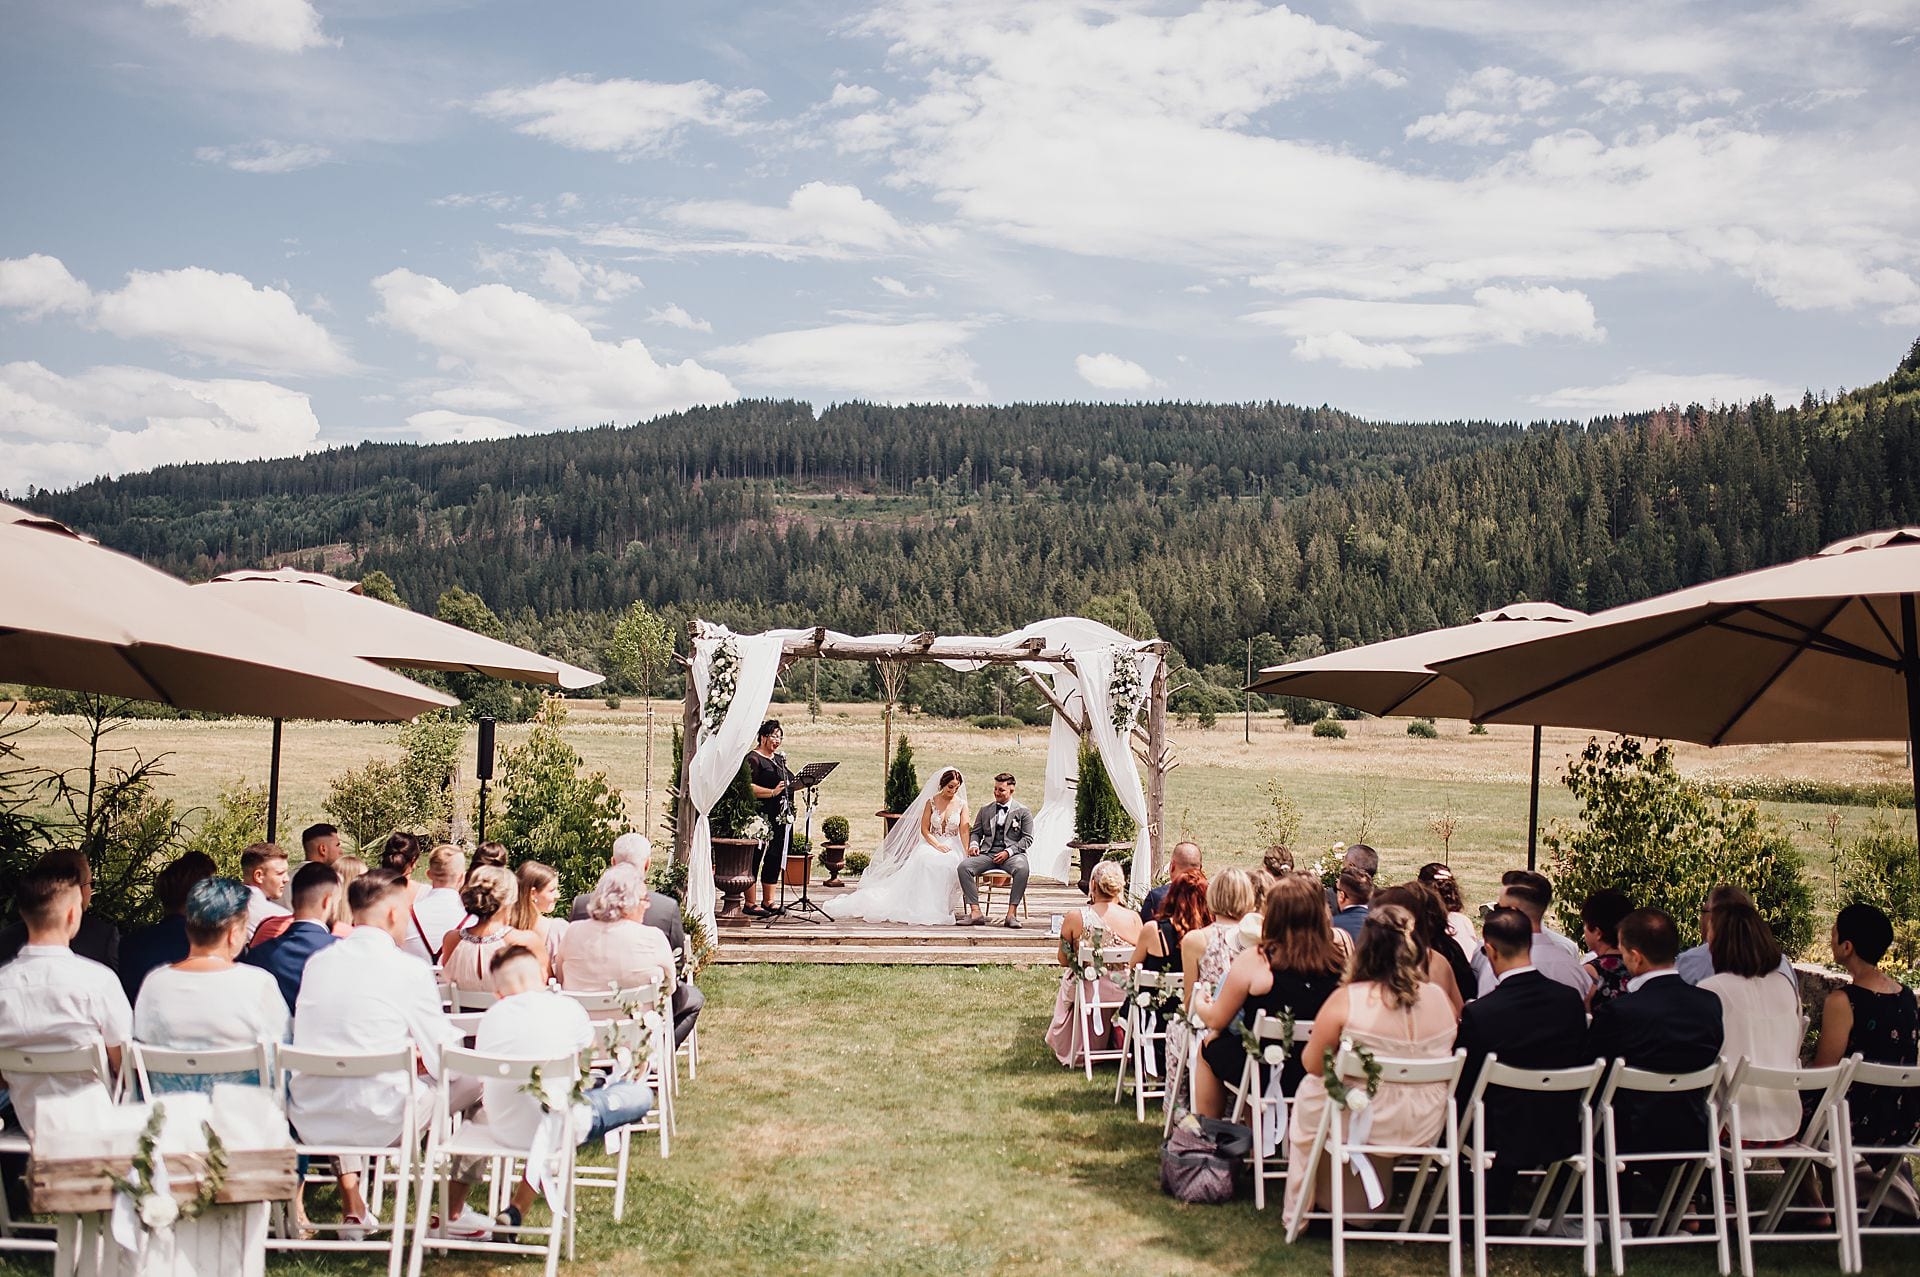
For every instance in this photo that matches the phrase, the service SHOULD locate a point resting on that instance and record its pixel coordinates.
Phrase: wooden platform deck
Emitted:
(832, 941)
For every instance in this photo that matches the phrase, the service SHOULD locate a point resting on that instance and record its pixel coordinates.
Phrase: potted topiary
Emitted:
(733, 849)
(833, 852)
(903, 786)
(1101, 826)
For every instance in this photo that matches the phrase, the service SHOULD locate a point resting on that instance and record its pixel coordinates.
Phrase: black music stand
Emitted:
(808, 778)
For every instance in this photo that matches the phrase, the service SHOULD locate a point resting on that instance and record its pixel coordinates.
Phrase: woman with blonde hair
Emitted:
(466, 955)
(1206, 954)
(1387, 1006)
(1106, 921)
(539, 886)
(349, 868)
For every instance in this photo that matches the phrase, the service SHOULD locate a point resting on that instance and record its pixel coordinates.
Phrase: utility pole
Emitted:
(1246, 707)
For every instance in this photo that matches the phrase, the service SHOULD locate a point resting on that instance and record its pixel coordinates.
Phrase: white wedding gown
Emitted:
(925, 891)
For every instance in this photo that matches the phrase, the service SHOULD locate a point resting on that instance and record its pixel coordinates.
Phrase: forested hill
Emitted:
(1295, 526)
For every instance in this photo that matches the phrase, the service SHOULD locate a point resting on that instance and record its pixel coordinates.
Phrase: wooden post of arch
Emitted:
(1157, 764)
(683, 813)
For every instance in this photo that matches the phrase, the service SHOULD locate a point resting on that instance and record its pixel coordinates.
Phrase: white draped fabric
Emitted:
(1116, 748)
(717, 760)
(1049, 856)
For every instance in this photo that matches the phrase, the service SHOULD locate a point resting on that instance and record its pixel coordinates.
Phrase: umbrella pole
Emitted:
(273, 785)
(1910, 658)
(1533, 804)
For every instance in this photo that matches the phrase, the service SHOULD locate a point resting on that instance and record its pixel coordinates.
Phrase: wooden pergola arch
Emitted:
(1149, 740)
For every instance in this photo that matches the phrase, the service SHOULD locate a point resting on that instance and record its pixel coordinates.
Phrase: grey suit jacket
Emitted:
(1014, 838)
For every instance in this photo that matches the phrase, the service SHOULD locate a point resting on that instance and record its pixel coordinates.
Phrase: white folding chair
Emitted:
(445, 986)
(1663, 1225)
(1823, 1143)
(1884, 1161)
(1092, 1009)
(465, 1000)
(21, 1235)
(609, 1035)
(1266, 1109)
(1540, 1224)
(448, 1138)
(1181, 1086)
(465, 1023)
(617, 1004)
(1146, 1041)
(256, 1059)
(392, 1162)
(690, 1049)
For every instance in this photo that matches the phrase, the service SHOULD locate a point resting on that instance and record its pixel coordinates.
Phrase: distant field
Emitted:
(1379, 781)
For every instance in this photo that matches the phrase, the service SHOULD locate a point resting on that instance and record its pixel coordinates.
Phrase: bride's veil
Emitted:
(897, 846)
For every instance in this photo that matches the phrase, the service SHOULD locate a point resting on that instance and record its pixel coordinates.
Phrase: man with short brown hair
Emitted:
(97, 938)
(263, 867)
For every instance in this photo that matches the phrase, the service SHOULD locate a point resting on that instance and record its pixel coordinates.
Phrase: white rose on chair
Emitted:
(159, 1210)
(1274, 1055)
(1357, 1101)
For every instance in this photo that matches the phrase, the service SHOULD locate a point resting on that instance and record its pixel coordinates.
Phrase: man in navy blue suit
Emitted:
(316, 890)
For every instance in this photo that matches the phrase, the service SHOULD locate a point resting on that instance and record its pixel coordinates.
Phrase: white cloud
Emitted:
(439, 425)
(888, 284)
(846, 95)
(573, 279)
(819, 219)
(285, 26)
(221, 316)
(624, 117)
(503, 351)
(1110, 372)
(674, 315)
(1645, 391)
(41, 285)
(1472, 128)
(265, 157)
(893, 363)
(59, 430)
(1501, 87)
(213, 314)
(1382, 334)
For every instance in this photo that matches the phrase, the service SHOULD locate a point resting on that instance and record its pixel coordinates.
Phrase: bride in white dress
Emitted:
(915, 876)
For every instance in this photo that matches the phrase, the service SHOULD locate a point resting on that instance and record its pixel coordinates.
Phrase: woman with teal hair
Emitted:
(210, 1000)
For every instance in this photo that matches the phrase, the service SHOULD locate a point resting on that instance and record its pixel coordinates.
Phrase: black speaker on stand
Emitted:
(483, 772)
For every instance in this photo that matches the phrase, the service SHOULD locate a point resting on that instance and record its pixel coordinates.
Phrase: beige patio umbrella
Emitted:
(317, 605)
(1822, 648)
(1397, 676)
(75, 615)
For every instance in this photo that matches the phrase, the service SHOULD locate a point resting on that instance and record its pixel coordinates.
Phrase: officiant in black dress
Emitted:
(773, 787)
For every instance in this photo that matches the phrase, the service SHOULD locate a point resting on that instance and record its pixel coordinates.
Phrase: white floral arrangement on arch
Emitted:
(723, 680)
(1125, 689)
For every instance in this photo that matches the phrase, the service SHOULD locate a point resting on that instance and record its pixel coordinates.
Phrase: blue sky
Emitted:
(256, 227)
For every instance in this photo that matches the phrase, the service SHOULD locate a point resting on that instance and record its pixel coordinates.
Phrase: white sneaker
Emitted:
(357, 1228)
(469, 1225)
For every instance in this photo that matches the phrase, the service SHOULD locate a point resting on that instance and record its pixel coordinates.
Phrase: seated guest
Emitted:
(1874, 1017)
(166, 940)
(530, 1021)
(1205, 954)
(489, 853)
(438, 909)
(320, 844)
(613, 947)
(1600, 915)
(1185, 858)
(628, 849)
(316, 895)
(1445, 966)
(665, 915)
(1459, 925)
(1661, 1024)
(349, 868)
(51, 998)
(539, 892)
(1294, 969)
(466, 953)
(1760, 1015)
(363, 996)
(1696, 964)
(97, 938)
(209, 1000)
(263, 868)
(1351, 893)
(1389, 1007)
(1543, 887)
(1183, 908)
(1529, 1022)
(401, 853)
(1108, 922)
(1276, 862)
(1553, 955)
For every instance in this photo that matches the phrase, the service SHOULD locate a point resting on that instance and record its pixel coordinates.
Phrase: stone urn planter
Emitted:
(733, 876)
(833, 858)
(1091, 854)
(888, 819)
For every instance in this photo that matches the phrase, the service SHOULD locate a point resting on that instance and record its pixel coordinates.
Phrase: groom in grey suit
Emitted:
(1002, 832)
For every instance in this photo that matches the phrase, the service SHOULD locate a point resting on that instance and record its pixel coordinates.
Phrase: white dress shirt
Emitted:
(438, 911)
(259, 909)
(538, 1024)
(1556, 961)
(51, 999)
(362, 995)
(204, 1010)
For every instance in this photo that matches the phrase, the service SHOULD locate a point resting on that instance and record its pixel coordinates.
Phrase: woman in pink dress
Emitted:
(1105, 922)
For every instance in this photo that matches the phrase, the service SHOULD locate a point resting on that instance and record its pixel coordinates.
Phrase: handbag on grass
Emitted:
(1202, 1160)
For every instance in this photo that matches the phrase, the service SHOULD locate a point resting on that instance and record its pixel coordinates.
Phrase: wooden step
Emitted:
(827, 934)
(887, 954)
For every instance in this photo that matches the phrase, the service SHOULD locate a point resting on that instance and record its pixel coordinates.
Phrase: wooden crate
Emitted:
(60, 1185)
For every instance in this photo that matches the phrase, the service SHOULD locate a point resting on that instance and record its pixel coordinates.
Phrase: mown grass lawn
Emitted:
(910, 1121)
